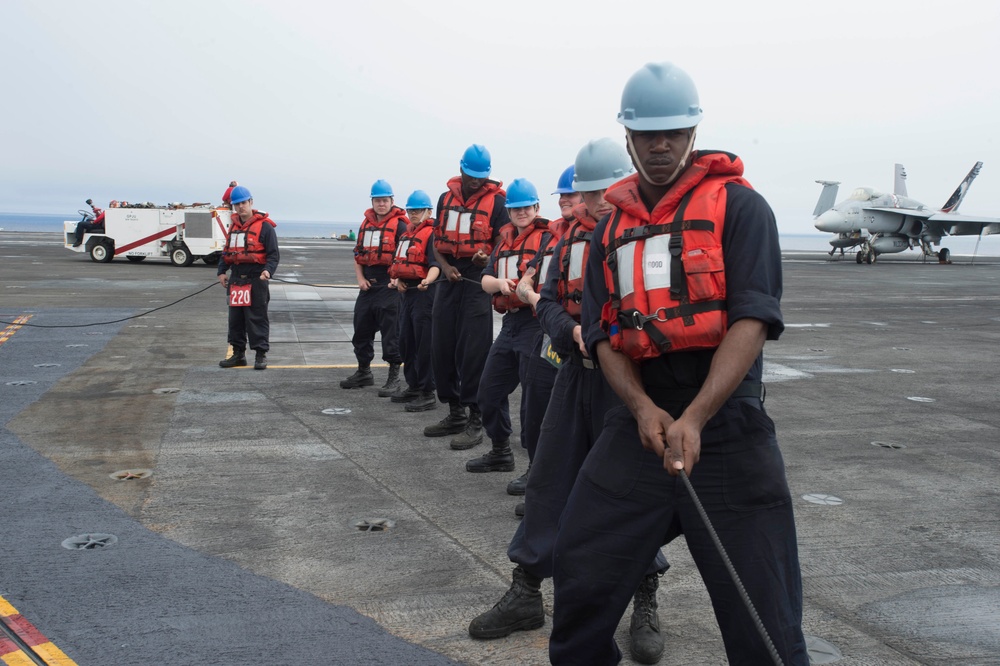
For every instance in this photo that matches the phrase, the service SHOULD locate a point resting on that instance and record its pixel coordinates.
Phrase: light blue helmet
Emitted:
(660, 96)
(476, 161)
(521, 193)
(239, 195)
(600, 164)
(418, 201)
(565, 184)
(381, 188)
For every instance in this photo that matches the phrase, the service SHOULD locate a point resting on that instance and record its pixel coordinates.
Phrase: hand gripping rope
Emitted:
(732, 571)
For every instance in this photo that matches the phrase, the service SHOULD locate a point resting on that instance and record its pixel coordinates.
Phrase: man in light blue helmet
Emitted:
(580, 399)
(469, 217)
(682, 288)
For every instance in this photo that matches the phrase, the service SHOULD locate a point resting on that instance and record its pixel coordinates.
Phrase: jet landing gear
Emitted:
(944, 256)
(866, 256)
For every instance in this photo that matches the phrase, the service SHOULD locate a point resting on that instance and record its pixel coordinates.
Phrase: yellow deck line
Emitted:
(51, 654)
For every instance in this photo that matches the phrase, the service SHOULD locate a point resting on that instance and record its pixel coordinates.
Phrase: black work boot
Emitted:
(645, 641)
(473, 433)
(518, 485)
(455, 422)
(424, 401)
(519, 509)
(407, 394)
(361, 377)
(497, 459)
(260, 360)
(239, 358)
(520, 609)
(391, 383)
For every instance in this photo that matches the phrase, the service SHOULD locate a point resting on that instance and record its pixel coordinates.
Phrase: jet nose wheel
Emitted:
(861, 257)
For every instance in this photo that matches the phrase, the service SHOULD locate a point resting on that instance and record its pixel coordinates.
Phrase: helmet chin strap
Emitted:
(677, 170)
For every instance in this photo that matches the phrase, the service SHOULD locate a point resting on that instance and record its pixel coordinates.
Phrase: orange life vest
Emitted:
(464, 227)
(573, 260)
(377, 238)
(243, 244)
(412, 253)
(514, 251)
(546, 250)
(558, 226)
(665, 270)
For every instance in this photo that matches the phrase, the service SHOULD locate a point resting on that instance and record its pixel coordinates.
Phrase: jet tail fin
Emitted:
(955, 200)
(899, 187)
(827, 197)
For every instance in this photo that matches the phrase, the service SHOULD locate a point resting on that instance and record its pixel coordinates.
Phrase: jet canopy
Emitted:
(864, 194)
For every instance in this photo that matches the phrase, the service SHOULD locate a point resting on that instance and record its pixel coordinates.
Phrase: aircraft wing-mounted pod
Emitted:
(878, 223)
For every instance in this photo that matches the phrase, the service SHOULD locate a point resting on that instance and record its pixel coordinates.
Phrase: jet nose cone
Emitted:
(831, 221)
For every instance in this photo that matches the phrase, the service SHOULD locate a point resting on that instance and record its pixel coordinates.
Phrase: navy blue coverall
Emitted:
(574, 418)
(250, 324)
(625, 505)
(462, 321)
(515, 358)
(376, 310)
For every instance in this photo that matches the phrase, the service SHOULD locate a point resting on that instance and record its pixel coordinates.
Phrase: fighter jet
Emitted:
(878, 223)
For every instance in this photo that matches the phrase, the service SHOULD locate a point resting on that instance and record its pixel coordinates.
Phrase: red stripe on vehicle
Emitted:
(147, 239)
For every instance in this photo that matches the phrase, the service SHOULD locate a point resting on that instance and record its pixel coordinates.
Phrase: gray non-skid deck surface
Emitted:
(244, 540)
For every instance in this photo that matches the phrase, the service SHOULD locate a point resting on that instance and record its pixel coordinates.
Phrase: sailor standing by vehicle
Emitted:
(251, 254)
(414, 270)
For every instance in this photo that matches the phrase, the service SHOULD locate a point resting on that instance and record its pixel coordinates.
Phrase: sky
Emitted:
(308, 103)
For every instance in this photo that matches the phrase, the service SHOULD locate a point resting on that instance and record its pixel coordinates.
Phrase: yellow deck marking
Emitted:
(11, 329)
(52, 655)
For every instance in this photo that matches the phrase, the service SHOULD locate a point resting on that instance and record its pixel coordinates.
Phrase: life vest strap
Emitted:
(638, 320)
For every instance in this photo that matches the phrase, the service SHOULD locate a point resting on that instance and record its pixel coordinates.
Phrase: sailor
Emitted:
(568, 199)
(377, 305)
(91, 224)
(575, 415)
(251, 256)
(514, 357)
(413, 271)
(682, 288)
(469, 217)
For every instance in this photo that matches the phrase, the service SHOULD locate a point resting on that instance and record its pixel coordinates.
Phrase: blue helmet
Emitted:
(418, 201)
(239, 195)
(565, 184)
(381, 188)
(521, 193)
(476, 161)
(660, 96)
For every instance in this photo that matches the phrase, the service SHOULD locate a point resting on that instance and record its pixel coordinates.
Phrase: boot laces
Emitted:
(644, 603)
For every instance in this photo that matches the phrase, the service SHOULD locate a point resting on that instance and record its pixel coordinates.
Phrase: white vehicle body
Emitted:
(180, 234)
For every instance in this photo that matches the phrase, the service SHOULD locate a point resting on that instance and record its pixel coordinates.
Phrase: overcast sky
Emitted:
(308, 103)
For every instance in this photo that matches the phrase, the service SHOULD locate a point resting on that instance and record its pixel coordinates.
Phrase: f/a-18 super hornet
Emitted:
(878, 223)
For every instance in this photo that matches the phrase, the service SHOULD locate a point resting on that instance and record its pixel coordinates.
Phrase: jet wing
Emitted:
(908, 212)
(958, 224)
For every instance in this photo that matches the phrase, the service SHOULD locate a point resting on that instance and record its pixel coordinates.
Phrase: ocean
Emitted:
(959, 245)
(286, 229)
